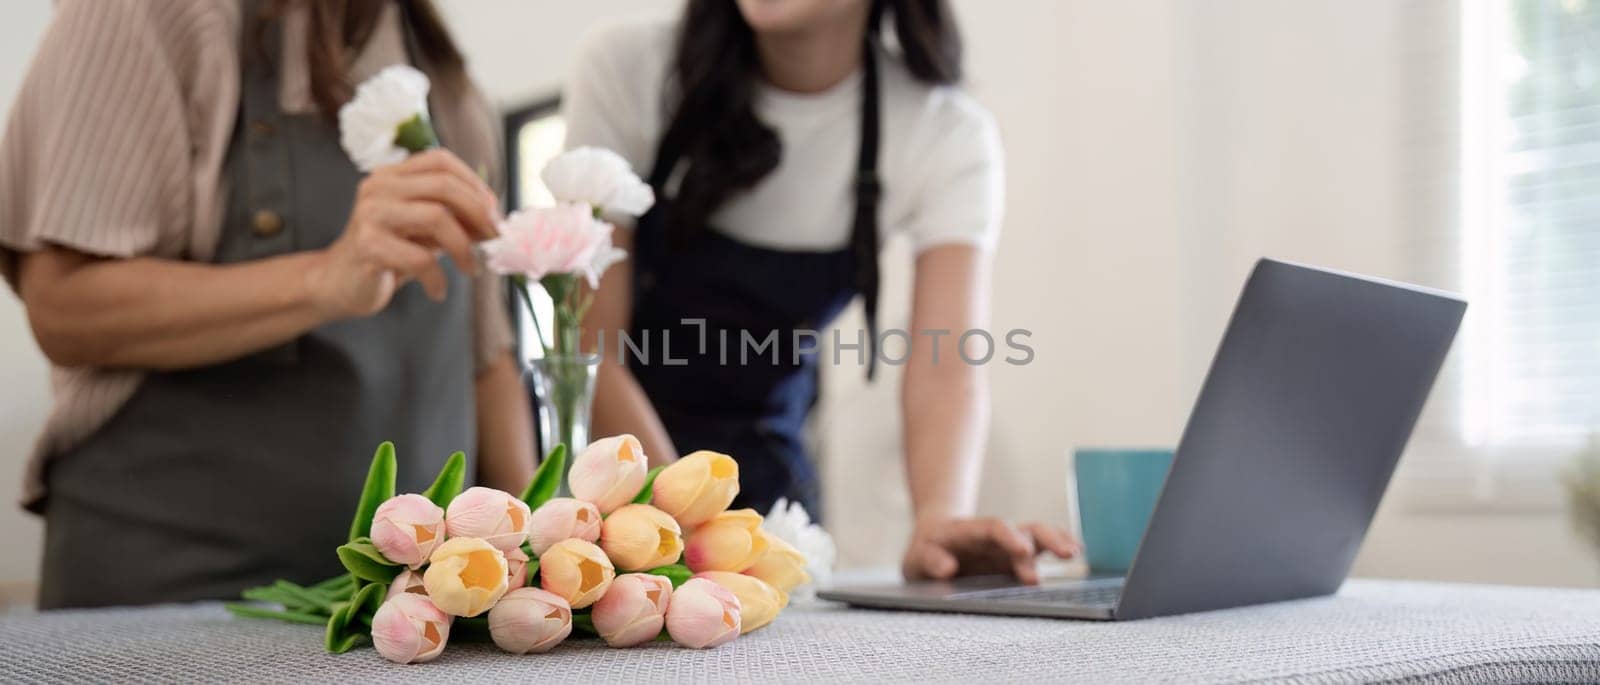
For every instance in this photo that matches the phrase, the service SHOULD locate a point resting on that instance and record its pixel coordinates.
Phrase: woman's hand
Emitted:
(943, 548)
(403, 215)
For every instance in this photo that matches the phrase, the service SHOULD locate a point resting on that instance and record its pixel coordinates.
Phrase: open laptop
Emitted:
(1308, 404)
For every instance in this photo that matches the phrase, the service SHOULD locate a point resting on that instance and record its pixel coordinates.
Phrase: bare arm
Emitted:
(946, 405)
(945, 400)
(167, 314)
(620, 404)
(505, 428)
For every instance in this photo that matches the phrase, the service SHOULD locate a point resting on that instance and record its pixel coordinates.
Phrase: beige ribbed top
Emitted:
(115, 147)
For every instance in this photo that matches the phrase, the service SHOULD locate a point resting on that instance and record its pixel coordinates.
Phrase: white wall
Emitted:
(1154, 148)
(23, 372)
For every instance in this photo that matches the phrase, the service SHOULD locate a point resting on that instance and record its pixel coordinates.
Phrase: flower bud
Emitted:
(783, 567)
(577, 571)
(759, 602)
(702, 614)
(516, 568)
(409, 629)
(639, 537)
(634, 610)
(609, 472)
(465, 576)
(492, 515)
(408, 581)
(697, 487)
(562, 518)
(528, 619)
(730, 541)
(406, 528)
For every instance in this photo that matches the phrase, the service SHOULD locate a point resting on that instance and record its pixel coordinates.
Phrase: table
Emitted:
(1371, 631)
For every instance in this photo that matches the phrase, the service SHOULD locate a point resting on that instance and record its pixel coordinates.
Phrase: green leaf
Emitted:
(677, 573)
(340, 584)
(547, 479)
(345, 628)
(366, 563)
(585, 623)
(303, 596)
(379, 487)
(451, 478)
(533, 573)
(649, 481)
(251, 611)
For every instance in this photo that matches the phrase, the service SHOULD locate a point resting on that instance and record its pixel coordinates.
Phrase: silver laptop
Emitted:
(1311, 398)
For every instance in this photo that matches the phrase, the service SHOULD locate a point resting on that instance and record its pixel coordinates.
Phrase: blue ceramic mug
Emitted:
(1117, 491)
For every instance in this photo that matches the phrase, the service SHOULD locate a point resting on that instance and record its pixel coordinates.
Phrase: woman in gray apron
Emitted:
(219, 474)
(789, 138)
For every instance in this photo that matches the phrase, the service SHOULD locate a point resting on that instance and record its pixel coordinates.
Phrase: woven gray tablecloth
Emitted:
(1370, 631)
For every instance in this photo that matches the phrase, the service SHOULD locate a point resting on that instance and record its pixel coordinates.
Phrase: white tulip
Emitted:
(387, 120)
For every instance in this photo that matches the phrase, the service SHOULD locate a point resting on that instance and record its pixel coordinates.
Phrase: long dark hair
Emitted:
(338, 29)
(726, 146)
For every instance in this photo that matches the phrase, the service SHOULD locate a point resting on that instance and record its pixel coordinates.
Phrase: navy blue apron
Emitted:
(733, 383)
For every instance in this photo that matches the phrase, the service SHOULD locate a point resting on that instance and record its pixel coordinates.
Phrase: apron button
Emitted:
(266, 223)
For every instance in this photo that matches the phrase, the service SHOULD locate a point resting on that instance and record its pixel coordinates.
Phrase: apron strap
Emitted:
(869, 188)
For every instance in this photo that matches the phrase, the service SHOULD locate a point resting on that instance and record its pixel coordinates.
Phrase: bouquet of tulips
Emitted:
(634, 556)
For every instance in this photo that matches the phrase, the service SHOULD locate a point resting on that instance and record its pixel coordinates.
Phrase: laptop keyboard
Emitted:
(1077, 595)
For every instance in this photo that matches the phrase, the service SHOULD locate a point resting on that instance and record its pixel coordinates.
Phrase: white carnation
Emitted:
(370, 122)
(599, 178)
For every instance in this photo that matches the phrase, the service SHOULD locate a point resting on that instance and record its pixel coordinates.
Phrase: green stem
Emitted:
(533, 315)
(250, 611)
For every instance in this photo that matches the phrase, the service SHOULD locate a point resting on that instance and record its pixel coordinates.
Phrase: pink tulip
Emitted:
(609, 473)
(633, 611)
(702, 614)
(408, 581)
(406, 528)
(409, 629)
(516, 568)
(730, 541)
(491, 515)
(561, 518)
(529, 620)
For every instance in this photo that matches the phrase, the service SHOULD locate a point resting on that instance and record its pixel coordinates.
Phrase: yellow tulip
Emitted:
(730, 541)
(639, 537)
(759, 602)
(697, 487)
(465, 576)
(783, 566)
(577, 571)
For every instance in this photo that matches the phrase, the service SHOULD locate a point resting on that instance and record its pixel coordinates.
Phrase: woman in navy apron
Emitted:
(772, 107)
(321, 324)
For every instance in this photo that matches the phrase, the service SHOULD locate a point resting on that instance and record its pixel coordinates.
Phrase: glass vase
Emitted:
(564, 388)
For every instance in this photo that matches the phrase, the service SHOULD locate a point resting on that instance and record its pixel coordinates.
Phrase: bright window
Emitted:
(1530, 219)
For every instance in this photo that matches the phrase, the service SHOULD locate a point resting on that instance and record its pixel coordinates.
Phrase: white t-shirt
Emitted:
(939, 158)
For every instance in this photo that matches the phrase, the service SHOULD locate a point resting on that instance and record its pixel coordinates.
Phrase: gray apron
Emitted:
(218, 478)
